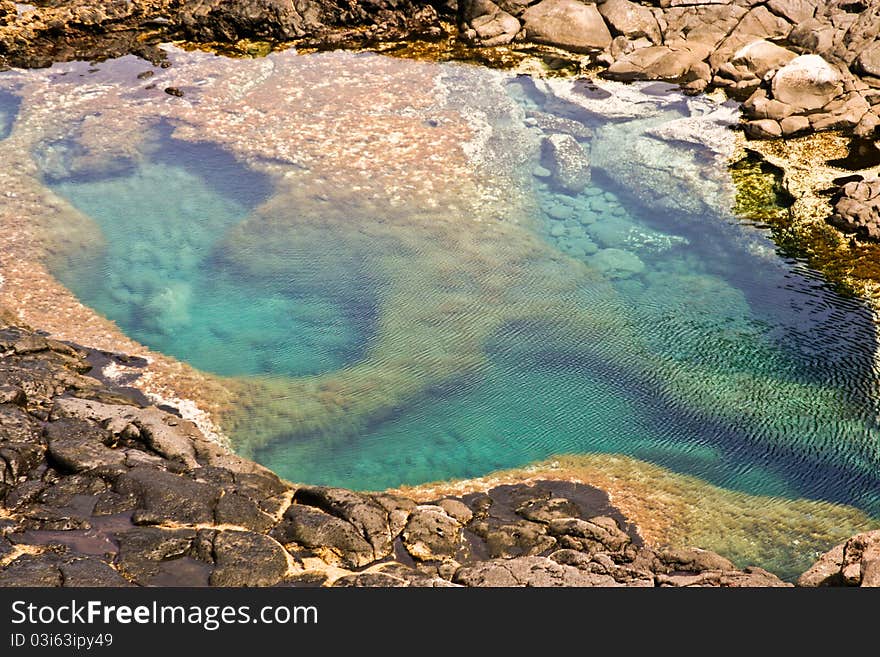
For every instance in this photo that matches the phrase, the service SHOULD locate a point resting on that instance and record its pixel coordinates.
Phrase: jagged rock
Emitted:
(853, 563)
(78, 446)
(456, 509)
(13, 395)
(758, 23)
(486, 24)
(813, 36)
(631, 20)
(867, 125)
(861, 560)
(370, 580)
(431, 534)
(247, 559)
(807, 82)
(680, 62)
(759, 106)
(512, 538)
(567, 162)
(857, 209)
(237, 509)
(31, 570)
(166, 497)
(795, 11)
(547, 510)
(826, 571)
(362, 512)
(706, 24)
(91, 572)
(694, 560)
(158, 556)
(764, 129)
(166, 434)
(567, 24)
(868, 61)
(592, 535)
(316, 529)
(528, 571)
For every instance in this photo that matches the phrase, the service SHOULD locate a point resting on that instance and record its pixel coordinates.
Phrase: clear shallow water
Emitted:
(8, 109)
(158, 278)
(687, 343)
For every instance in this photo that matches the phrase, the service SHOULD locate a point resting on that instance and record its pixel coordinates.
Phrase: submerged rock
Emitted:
(617, 263)
(567, 161)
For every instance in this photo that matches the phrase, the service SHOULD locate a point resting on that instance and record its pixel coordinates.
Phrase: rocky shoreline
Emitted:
(99, 488)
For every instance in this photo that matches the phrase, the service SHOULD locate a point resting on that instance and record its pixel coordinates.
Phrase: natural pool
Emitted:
(400, 289)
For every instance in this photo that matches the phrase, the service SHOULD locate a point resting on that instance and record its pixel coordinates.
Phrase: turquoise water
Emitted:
(728, 360)
(158, 278)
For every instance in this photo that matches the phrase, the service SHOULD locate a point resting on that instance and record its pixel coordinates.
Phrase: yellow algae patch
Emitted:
(802, 170)
(670, 509)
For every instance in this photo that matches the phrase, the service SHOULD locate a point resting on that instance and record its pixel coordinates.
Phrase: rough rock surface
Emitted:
(79, 29)
(857, 208)
(568, 24)
(567, 162)
(807, 82)
(853, 563)
(98, 490)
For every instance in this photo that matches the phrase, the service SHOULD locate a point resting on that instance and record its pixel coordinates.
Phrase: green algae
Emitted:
(847, 263)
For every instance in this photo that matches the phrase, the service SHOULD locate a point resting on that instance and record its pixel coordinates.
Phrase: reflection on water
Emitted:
(396, 308)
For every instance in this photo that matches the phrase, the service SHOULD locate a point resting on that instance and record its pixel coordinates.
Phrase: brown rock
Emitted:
(795, 11)
(631, 20)
(792, 125)
(567, 24)
(868, 61)
(763, 129)
(807, 82)
(247, 559)
(761, 56)
(681, 62)
(826, 571)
